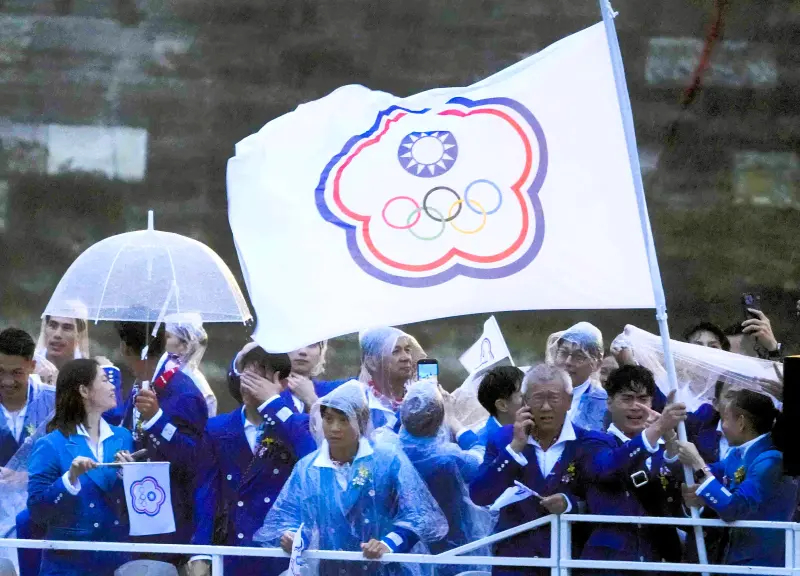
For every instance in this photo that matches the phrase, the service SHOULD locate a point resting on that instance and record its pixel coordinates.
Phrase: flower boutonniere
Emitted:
(738, 476)
(30, 429)
(362, 476)
(569, 474)
(273, 448)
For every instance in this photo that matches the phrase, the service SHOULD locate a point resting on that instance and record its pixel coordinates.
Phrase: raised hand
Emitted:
(79, 466)
(256, 389)
(523, 426)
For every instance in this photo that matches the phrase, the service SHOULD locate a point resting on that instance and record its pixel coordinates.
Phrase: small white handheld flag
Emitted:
(296, 563)
(490, 348)
(147, 494)
(515, 493)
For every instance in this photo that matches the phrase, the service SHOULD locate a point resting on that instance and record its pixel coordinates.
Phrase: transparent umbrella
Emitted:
(145, 275)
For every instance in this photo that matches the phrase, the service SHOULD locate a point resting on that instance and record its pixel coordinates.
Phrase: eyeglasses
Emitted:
(578, 356)
(538, 400)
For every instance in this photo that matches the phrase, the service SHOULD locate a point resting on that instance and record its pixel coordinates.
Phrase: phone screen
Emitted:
(428, 370)
(750, 301)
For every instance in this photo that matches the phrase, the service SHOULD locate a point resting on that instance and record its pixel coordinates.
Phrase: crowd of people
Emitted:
(381, 462)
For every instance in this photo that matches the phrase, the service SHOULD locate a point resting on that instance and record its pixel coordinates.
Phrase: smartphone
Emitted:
(749, 301)
(428, 369)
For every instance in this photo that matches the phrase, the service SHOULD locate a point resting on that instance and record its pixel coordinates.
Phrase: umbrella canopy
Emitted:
(145, 275)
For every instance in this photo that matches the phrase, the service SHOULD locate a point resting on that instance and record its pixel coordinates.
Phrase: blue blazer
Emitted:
(41, 403)
(175, 438)
(753, 488)
(701, 427)
(236, 489)
(499, 471)
(612, 491)
(96, 513)
(491, 426)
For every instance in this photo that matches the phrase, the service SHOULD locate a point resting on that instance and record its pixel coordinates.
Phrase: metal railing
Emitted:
(560, 561)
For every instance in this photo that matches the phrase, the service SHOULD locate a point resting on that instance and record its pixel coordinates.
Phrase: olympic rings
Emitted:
(409, 223)
(480, 226)
(416, 212)
(452, 213)
(493, 185)
(427, 211)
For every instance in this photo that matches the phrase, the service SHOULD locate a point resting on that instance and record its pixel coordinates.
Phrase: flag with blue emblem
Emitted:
(148, 497)
(509, 194)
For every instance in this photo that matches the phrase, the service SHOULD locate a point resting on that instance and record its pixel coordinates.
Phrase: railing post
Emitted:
(789, 552)
(555, 537)
(796, 548)
(565, 546)
(217, 565)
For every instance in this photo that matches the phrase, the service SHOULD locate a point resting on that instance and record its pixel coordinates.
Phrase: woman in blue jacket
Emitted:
(67, 491)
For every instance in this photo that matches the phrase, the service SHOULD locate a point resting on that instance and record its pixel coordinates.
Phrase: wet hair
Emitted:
(70, 411)
(630, 379)
(709, 327)
(499, 384)
(756, 408)
(276, 363)
(422, 416)
(16, 342)
(546, 373)
(80, 324)
(137, 335)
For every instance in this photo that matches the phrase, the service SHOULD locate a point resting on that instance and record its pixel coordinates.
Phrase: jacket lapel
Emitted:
(553, 481)
(359, 479)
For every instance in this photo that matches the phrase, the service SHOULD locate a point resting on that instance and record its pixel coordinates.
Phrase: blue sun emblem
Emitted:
(428, 154)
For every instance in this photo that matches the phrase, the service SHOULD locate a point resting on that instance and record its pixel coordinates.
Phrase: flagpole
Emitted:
(655, 274)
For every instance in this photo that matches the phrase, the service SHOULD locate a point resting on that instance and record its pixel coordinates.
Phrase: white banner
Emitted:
(489, 349)
(296, 562)
(148, 496)
(506, 195)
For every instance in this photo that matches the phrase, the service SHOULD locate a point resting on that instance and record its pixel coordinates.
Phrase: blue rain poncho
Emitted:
(446, 468)
(379, 495)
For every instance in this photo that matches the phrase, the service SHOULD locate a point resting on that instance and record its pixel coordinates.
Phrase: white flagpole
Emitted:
(655, 273)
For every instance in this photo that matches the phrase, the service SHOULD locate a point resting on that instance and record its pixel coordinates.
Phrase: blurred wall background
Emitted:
(111, 107)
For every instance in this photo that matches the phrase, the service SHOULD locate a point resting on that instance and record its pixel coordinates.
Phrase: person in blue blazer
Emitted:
(500, 395)
(26, 405)
(167, 419)
(447, 468)
(631, 473)
(246, 458)
(68, 493)
(546, 453)
(302, 388)
(749, 484)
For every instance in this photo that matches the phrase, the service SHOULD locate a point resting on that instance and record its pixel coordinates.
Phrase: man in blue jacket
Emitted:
(748, 484)
(500, 394)
(631, 473)
(247, 456)
(167, 417)
(546, 453)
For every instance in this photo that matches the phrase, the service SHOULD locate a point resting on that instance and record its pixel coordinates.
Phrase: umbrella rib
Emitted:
(174, 282)
(108, 277)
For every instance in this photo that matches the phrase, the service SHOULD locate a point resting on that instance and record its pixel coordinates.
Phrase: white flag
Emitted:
(296, 562)
(503, 195)
(147, 494)
(516, 493)
(489, 349)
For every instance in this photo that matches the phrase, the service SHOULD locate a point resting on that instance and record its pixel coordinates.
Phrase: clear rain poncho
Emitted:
(446, 469)
(189, 328)
(344, 505)
(585, 339)
(699, 368)
(376, 348)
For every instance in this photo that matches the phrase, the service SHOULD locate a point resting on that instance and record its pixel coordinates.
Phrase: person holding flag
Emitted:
(69, 491)
(354, 494)
(246, 457)
(388, 359)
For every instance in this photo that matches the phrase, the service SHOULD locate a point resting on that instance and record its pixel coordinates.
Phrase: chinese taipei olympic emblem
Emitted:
(427, 195)
(147, 496)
